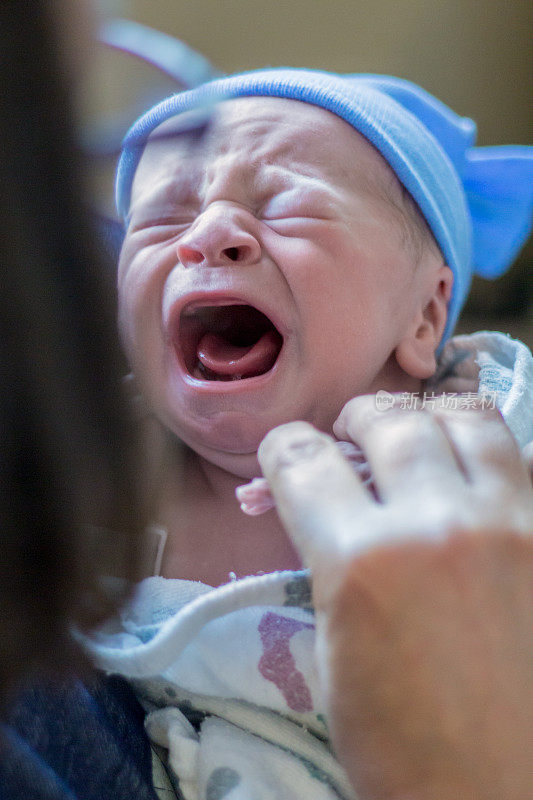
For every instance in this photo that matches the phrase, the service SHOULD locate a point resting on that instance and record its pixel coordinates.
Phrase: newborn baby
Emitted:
(315, 244)
(301, 275)
(278, 267)
(273, 271)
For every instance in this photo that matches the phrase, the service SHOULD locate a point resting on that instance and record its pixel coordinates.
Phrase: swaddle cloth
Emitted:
(229, 680)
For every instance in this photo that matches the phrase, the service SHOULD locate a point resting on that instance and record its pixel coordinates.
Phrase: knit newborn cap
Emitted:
(477, 201)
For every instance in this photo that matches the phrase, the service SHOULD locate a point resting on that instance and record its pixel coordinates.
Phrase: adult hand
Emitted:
(424, 598)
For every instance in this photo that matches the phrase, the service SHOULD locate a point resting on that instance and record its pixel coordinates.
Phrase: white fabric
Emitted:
(238, 660)
(490, 363)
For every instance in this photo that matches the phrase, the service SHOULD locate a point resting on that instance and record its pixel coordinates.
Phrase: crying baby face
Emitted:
(265, 277)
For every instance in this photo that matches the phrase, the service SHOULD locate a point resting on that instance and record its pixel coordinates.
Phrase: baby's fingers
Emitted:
(318, 496)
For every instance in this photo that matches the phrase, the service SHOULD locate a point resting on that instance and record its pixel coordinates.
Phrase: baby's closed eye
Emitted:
(296, 204)
(157, 223)
(167, 220)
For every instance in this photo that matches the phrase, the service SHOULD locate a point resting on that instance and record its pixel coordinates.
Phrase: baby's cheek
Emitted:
(141, 273)
(128, 252)
(138, 316)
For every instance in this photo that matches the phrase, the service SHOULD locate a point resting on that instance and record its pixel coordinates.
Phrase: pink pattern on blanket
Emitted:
(277, 662)
(255, 497)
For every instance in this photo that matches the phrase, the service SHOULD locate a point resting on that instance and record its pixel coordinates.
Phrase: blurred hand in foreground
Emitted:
(424, 598)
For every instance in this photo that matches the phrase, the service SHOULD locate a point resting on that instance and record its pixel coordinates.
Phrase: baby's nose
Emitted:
(219, 237)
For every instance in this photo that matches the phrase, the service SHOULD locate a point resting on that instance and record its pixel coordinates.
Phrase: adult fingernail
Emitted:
(292, 444)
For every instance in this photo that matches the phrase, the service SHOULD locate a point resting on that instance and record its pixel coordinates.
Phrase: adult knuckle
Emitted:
(408, 436)
(293, 444)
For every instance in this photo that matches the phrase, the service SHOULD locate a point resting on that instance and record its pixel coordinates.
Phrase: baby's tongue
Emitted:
(233, 361)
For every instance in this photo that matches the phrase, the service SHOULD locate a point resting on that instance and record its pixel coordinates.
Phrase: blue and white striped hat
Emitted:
(478, 202)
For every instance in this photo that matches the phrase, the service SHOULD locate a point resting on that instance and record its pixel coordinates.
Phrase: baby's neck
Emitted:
(208, 536)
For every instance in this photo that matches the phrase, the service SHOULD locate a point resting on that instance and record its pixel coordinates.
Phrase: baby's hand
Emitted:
(255, 497)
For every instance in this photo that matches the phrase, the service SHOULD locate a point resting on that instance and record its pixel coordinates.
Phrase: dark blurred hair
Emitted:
(69, 516)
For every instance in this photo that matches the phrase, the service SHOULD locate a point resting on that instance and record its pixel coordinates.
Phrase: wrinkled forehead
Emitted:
(274, 131)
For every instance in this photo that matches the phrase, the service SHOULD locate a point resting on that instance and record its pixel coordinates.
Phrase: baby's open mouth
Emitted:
(227, 342)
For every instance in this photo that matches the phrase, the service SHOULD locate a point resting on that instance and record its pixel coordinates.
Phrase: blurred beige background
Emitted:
(473, 55)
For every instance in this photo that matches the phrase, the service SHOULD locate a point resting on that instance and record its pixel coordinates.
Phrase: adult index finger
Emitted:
(409, 454)
(318, 495)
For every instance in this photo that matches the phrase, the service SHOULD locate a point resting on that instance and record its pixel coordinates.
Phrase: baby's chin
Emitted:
(241, 465)
(236, 454)
(244, 466)
(229, 438)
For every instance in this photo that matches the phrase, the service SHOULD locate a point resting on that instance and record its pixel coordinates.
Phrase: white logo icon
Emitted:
(384, 400)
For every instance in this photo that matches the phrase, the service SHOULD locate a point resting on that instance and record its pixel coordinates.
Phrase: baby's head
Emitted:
(278, 266)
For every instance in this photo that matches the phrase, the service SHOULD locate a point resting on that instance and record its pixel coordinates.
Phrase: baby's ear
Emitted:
(416, 352)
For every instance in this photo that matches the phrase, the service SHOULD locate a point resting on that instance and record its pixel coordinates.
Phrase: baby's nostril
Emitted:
(232, 253)
(188, 255)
